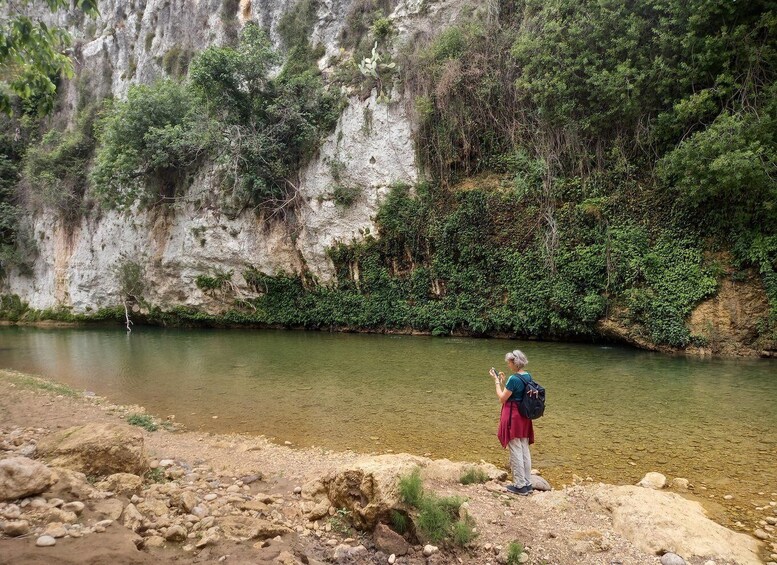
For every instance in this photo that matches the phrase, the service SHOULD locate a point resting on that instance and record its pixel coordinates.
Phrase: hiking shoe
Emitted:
(528, 489)
(522, 491)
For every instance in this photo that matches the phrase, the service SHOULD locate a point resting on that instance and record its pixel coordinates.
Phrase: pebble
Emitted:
(672, 559)
(16, 528)
(392, 559)
(760, 534)
(76, 507)
(45, 541)
(429, 550)
(56, 531)
(210, 497)
(297, 490)
(166, 463)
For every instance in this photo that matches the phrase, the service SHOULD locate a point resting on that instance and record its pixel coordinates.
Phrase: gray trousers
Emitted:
(520, 461)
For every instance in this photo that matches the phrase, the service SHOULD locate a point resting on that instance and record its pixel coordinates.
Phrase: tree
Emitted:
(31, 53)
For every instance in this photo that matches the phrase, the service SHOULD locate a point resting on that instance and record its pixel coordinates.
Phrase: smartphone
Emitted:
(495, 371)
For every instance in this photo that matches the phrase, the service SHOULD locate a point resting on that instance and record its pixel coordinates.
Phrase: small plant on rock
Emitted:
(340, 521)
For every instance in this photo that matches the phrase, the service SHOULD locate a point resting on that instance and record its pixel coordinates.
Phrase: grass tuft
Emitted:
(411, 489)
(474, 475)
(144, 421)
(514, 551)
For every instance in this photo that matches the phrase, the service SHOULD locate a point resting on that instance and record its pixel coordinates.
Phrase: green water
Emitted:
(613, 413)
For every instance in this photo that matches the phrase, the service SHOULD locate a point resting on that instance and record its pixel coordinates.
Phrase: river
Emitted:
(612, 414)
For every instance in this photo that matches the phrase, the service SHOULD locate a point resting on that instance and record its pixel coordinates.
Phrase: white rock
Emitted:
(430, 549)
(672, 559)
(45, 541)
(392, 559)
(20, 477)
(166, 463)
(653, 480)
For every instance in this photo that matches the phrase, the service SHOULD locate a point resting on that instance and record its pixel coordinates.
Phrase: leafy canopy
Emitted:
(31, 54)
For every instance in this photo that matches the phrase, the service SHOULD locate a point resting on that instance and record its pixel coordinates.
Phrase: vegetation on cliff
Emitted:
(583, 161)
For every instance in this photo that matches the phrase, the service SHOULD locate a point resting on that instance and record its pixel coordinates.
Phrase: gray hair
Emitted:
(517, 356)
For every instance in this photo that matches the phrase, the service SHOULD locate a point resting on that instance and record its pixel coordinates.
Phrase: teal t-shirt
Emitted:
(517, 385)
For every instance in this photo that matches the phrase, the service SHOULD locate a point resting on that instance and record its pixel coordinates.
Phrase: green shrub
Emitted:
(272, 125)
(12, 308)
(149, 144)
(143, 420)
(474, 475)
(55, 170)
(129, 275)
(434, 521)
(219, 280)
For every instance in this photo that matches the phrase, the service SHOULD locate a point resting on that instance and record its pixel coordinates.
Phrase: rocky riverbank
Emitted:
(78, 484)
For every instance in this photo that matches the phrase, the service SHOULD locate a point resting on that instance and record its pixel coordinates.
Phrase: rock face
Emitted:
(97, 449)
(664, 522)
(21, 477)
(143, 42)
(729, 320)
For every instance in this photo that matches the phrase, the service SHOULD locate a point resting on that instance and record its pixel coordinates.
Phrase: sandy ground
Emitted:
(573, 534)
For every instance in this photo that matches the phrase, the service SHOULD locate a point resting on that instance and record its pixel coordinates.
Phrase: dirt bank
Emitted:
(235, 482)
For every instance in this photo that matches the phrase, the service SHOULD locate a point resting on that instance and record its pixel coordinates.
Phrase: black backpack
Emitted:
(532, 404)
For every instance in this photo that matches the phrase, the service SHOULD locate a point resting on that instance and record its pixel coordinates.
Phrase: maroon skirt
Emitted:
(513, 425)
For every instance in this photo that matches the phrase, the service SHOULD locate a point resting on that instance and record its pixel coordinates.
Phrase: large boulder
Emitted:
(660, 522)
(368, 487)
(21, 477)
(97, 449)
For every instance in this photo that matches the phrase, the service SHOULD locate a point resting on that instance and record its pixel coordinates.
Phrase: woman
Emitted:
(515, 431)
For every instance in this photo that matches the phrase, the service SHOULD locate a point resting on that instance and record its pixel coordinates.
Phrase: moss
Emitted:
(176, 61)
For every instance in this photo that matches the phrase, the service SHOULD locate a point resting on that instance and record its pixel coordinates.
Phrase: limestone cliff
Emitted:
(142, 41)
